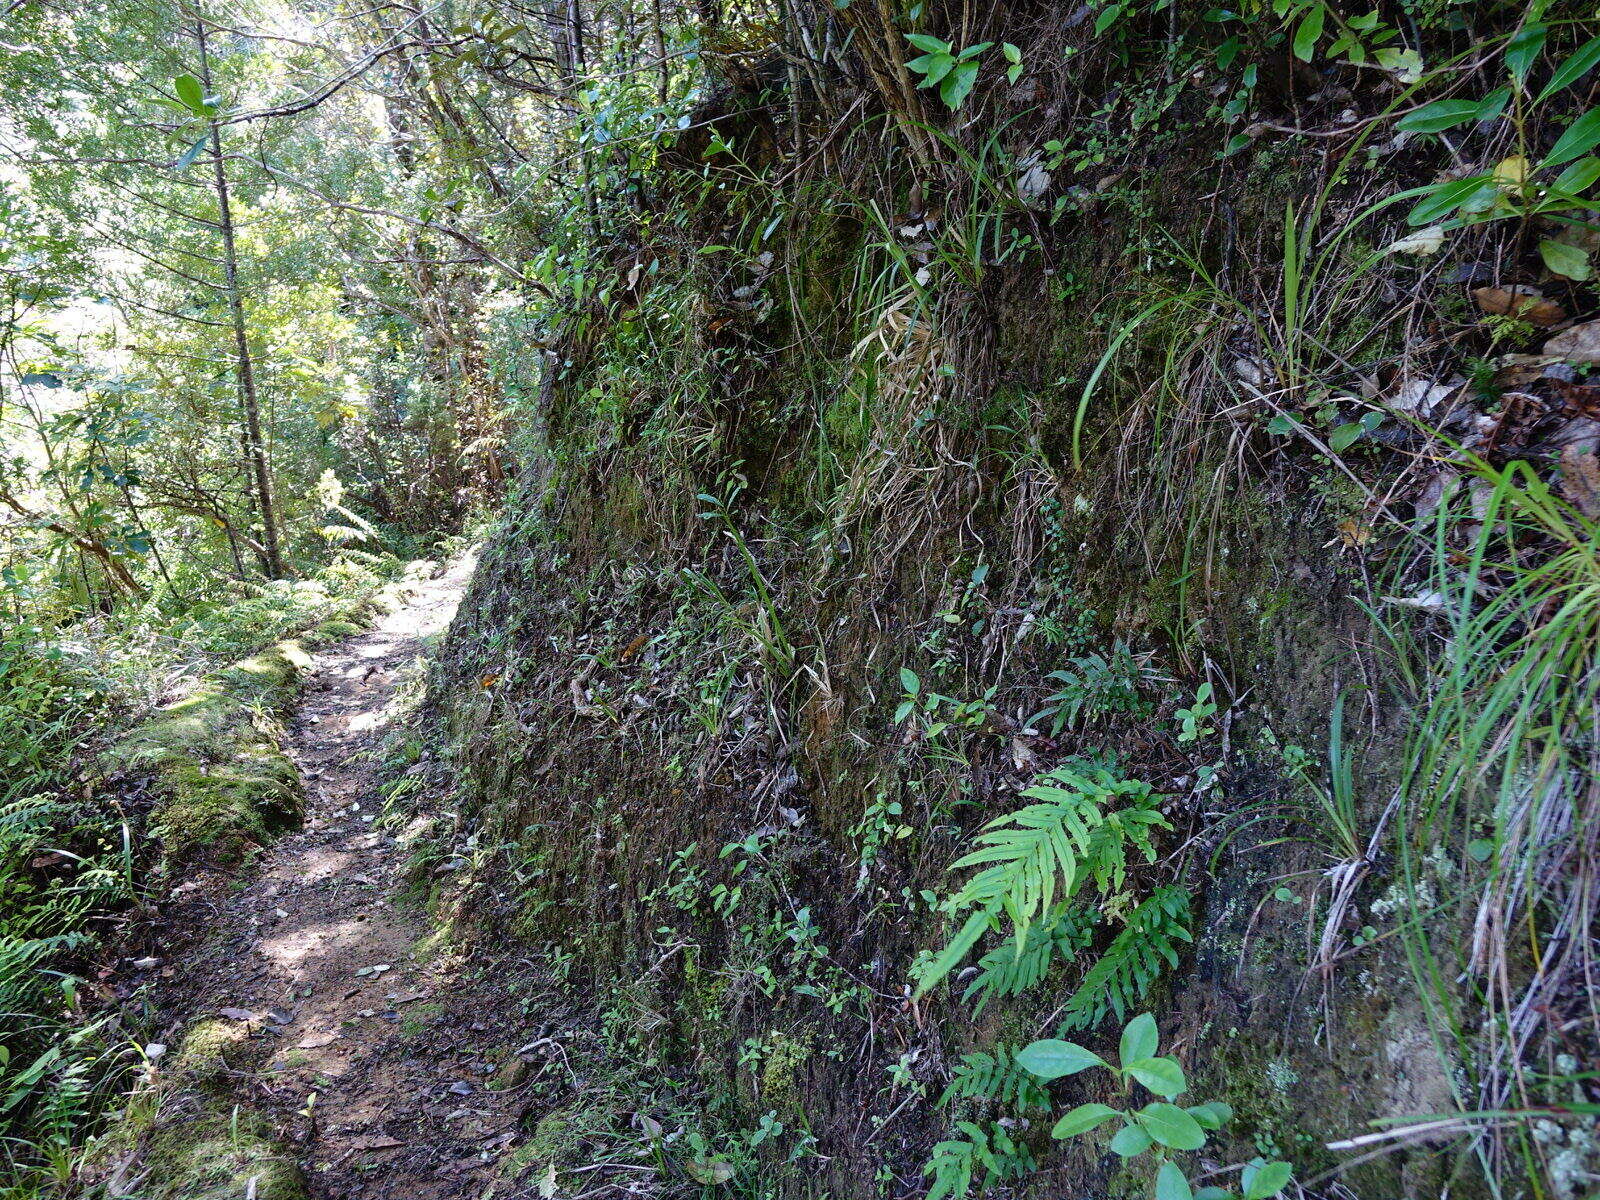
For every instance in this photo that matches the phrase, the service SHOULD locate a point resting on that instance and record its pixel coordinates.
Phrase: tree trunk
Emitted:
(255, 448)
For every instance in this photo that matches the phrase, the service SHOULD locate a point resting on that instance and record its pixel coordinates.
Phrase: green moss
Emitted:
(332, 631)
(202, 1056)
(223, 783)
(216, 1158)
(221, 812)
(554, 1139)
(781, 1062)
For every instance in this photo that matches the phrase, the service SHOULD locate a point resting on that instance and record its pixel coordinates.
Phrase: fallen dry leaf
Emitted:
(1582, 398)
(1517, 371)
(1580, 344)
(237, 1014)
(1423, 241)
(1524, 303)
(315, 1041)
(376, 1141)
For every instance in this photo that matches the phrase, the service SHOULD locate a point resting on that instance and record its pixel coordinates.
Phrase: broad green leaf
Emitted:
(1406, 64)
(1310, 29)
(1565, 259)
(910, 681)
(1575, 68)
(936, 67)
(1345, 436)
(1213, 1193)
(1492, 105)
(1052, 1058)
(1524, 49)
(958, 84)
(973, 51)
(1161, 1075)
(1447, 197)
(190, 93)
(192, 153)
(1107, 18)
(1213, 1114)
(1171, 1126)
(1581, 137)
(928, 43)
(1172, 1184)
(1438, 116)
(1082, 1119)
(1578, 178)
(1013, 55)
(977, 924)
(1140, 1040)
(1130, 1141)
(1265, 1180)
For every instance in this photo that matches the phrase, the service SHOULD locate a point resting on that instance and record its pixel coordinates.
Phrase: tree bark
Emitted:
(255, 448)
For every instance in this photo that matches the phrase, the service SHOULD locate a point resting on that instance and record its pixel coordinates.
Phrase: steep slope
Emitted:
(900, 471)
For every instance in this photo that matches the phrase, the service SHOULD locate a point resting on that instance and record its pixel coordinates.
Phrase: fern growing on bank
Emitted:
(982, 1156)
(1081, 826)
(995, 1077)
(1021, 961)
(1138, 955)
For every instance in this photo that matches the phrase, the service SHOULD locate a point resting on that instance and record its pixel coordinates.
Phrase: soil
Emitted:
(375, 1044)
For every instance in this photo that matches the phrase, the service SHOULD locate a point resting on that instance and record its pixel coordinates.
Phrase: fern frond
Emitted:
(996, 1077)
(1018, 963)
(1056, 843)
(1040, 855)
(1135, 959)
(956, 1162)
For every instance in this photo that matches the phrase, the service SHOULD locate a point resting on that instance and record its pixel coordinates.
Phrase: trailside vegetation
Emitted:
(1040, 563)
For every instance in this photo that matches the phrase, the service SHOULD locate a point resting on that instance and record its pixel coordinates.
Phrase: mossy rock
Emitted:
(332, 631)
(216, 1157)
(220, 813)
(202, 1056)
(222, 782)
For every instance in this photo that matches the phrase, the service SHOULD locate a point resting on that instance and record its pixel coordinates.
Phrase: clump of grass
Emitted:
(1501, 776)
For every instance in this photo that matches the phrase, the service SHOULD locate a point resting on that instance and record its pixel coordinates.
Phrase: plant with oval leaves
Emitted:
(952, 71)
(1161, 1127)
(1553, 187)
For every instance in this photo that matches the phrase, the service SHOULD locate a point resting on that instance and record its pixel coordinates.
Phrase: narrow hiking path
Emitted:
(368, 1063)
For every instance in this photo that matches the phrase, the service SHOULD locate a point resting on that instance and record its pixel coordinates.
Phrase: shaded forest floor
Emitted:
(359, 1029)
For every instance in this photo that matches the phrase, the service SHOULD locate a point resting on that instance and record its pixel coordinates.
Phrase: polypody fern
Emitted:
(1080, 827)
(1135, 959)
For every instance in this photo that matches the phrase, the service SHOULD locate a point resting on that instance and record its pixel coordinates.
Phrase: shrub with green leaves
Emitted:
(980, 1156)
(952, 71)
(1524, 185)
(1096, 685)
(1161, 1127)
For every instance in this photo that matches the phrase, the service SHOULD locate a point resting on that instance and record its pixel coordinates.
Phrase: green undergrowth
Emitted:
(182, 1134)
(108, 804)
(213, 759)
(936, 629)
(223, 785)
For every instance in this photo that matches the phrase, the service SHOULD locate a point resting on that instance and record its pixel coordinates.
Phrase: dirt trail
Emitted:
(314, 954)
